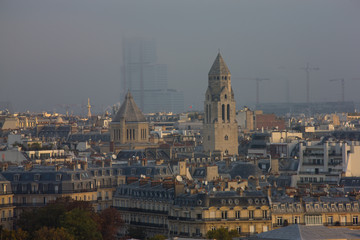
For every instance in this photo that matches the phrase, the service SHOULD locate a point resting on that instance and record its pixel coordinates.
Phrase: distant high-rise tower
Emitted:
(220, 130)
(146, 79)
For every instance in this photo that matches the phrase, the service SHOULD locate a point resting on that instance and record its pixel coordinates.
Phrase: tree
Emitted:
(18, 234)
(45, 233)
(158, 237)
(79, 223)
(110, 222)
(137, 233)
(221, 234)
(74, 218)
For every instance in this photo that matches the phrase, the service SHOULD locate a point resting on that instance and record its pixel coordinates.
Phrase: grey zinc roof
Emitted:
(309, 233)
(129, 111)
(219, 67)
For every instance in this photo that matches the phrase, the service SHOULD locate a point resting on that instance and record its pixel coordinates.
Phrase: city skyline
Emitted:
(65, 52)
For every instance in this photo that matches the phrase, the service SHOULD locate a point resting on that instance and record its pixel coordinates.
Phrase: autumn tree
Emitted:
(110, 222)
(46, 233)
(222, 234)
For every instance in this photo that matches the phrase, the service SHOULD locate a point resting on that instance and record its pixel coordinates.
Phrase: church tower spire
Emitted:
(220, 126)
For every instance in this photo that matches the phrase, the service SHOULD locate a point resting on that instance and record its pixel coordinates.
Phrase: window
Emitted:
(313, 220)
(279, 221)
(228, 112)
(297, 220)
(226, 137)
(343, 220)
(251, 214)
(224, 214)
(237, 214)
(330, 220)
(265, 228)
(58, 177)
(264, 213)
(223, 112)
(355, 220)
(252, 229)
(238, 229)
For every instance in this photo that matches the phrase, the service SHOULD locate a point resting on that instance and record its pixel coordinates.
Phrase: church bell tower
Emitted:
(220, 130)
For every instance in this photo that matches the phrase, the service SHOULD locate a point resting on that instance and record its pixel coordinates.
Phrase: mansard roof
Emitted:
(219, 67)
(129, 111)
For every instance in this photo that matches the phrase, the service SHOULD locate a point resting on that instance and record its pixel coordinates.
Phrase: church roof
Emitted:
(129, 111)
(219, 67)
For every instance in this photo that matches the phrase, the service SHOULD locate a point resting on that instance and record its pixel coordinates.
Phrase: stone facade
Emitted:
(129, 127)
(220, 131)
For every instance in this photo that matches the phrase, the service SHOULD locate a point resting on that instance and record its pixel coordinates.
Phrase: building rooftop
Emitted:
(219, 67)
(129, 111)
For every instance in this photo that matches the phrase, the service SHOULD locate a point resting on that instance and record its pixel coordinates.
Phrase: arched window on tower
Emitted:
(223, 112)
(226, 137)
(228, 112)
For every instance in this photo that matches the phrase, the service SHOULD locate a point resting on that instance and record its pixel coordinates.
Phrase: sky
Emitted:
(56, 52)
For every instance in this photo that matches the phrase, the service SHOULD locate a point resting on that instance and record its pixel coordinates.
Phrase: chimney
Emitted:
(85, 166)
(227, 161)
(269, 192)
(57, 168)
(144, 162)
(179, 189)
(241, 192)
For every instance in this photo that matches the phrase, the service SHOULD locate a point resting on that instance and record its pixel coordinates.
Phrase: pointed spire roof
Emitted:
(219, 67)
(129, 111)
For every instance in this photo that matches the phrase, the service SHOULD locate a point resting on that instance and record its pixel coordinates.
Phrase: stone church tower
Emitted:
(129, 127)
(220, 130)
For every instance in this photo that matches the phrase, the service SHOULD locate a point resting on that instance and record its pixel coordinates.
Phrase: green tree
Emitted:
(46, 233)
(79, 223)
(222, 234)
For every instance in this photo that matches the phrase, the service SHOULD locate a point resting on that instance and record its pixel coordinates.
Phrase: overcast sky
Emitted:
(56, 52)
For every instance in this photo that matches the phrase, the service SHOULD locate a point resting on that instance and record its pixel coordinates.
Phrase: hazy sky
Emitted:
(63, 51)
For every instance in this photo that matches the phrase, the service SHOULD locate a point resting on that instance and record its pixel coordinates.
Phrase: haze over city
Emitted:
(64, 52)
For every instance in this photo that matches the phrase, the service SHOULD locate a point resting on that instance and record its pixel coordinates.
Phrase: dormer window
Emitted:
(16, 177)
(58, 177)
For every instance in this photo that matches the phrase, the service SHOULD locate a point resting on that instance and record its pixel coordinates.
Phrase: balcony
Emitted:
(218, 219)
(140, 210)
(154, 225)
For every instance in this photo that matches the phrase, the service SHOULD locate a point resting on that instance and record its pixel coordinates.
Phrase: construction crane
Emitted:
(258, 80)
(308, 69)
(342, 87)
